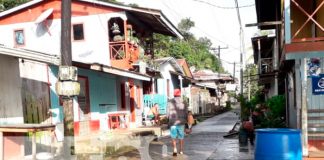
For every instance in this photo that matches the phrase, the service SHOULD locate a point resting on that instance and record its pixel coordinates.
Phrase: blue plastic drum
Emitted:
(278, 144)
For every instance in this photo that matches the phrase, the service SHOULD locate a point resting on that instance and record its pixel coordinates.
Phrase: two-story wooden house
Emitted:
(107, 39)
(299, 32)
(266, 59)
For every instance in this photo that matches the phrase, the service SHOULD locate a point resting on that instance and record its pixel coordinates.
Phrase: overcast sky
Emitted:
(214, 19)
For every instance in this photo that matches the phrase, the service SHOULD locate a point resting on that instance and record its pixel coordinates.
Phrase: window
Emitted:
(168, 87)
(78, 32)
(19, 37)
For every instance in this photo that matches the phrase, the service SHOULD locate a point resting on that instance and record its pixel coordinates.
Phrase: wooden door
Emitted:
(132, 101)
(84, 105)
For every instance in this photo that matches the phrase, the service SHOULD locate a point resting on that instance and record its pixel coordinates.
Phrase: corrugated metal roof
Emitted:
(154, 18)
(31, 55)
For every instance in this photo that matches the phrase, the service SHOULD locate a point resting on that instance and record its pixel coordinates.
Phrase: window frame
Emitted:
(15, 38)
(73, 38)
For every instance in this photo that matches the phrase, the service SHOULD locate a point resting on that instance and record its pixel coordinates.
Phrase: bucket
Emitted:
(278, 144)
(243, 139)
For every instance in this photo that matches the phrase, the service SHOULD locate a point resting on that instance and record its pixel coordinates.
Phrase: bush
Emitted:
(274, 116)
(228, 105)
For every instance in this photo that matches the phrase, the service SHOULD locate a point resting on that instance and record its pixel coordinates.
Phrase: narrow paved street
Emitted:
(206, 141)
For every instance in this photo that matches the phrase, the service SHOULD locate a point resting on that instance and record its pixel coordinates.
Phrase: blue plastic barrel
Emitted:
(278, 144)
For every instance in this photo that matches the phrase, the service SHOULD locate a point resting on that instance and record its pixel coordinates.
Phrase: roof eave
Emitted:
(22, 6)
(30, 55)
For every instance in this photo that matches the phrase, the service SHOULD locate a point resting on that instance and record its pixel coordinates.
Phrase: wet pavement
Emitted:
(206, 142)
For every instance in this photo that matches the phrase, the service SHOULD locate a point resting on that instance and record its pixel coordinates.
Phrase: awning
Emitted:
(30, 55)
(119, 72)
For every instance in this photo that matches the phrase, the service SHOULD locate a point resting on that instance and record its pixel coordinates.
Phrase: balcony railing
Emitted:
(117, 50)
(266, 66)
(307, 20)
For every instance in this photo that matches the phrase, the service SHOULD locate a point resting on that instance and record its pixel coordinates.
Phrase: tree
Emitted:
(250, 80)
(184, 26)
(7, 4)
(196, 52)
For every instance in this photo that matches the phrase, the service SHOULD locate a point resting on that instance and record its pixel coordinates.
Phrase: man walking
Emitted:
(177, 115)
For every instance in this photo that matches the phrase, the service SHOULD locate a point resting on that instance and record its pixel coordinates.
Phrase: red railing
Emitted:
(306, 15)
(117, 50)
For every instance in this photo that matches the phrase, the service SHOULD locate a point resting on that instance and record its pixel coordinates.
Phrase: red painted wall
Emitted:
(13, 145)
(31, 13)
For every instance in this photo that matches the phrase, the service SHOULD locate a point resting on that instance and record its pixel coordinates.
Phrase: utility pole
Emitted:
(218, 54)
(242, 45)
(234, 72)
(66, 32)
(68, 120)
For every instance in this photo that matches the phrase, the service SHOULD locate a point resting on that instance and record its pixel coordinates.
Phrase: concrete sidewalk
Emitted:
(206, 142)
(231, 150)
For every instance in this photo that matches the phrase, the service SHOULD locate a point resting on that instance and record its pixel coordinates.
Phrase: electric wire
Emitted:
(222, 7)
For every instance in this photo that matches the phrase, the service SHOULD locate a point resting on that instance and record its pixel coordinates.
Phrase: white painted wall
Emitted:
(33, 70)
(11, 110)
(94, 49)
(162, 83)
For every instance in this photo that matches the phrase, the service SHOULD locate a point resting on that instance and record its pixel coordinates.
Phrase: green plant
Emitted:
(185, 100)
(228, 105)
(245, 109)
(274, 116)
(121, 54)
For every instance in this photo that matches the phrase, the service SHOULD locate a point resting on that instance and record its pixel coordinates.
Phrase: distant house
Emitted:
(173, 76)
(169, 74)
(209, 91)
(107, 40)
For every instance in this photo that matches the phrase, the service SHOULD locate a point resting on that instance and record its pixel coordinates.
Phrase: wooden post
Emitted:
(304, 106)
(66, 52)
(34, 145)
(66, 33)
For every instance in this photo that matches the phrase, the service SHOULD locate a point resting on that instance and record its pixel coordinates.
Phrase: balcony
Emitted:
(307, 31)
(127, 43)
(123, 54)
(307, 20)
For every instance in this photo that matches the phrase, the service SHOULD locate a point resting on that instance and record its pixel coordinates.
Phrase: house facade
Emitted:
(299, 34)
(107, 39)
(209, 91)
(24, 97)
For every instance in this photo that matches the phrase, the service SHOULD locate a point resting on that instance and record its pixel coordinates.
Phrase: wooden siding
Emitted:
(10, 91)
(36, 103)
(315, 115)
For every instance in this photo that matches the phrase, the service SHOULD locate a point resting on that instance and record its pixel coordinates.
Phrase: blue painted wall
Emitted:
(102, 92)
(57, 110)
(102, 88)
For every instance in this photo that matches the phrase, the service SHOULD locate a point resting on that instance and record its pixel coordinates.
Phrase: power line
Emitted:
(222, 7)
(241, 45)
(211, 36)
(201, 30)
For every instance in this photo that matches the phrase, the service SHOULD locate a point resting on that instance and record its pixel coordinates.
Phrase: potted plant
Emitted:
(116, 31)
(120, 54)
